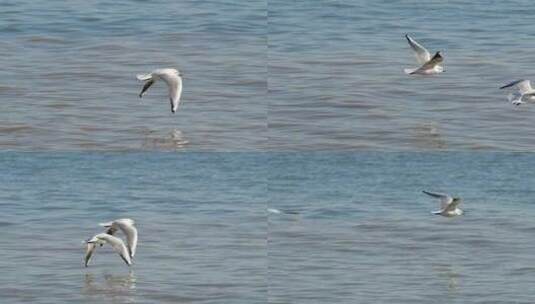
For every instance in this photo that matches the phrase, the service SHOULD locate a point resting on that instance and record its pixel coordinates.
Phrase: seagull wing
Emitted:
(174, 83)
(131, 237)
(445, 199)
(112, 227)
(422, 55)
(120, 248)
(90, 249)
(146, 87)
(523, 86)
(437, 59)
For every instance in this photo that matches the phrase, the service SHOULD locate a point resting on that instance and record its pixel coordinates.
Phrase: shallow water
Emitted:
(201, 220)
(364, 232)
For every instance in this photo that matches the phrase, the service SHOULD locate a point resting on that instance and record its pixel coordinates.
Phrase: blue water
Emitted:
(336, 80)
(283, 75)
(68, 75)
(364, 232)
(201, 220)
(360, 230)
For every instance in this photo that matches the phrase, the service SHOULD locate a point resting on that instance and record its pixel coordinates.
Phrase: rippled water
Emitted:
(68, 75)
(364, 232)
(291, 75)
(201, 220)
(336, 80)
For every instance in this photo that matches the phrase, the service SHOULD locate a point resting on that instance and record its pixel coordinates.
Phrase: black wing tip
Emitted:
(512, 83)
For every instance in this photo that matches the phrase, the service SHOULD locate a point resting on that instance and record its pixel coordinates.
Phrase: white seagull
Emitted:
(172, 78)
(103, 238)
(524, 89)
(428, 65)
(448, 204)
(275, 211)
(127, 227)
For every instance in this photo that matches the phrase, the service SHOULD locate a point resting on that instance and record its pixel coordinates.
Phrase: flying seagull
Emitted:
(429, 65)
(127, 227)
(524, 89)
(172, 78)
(278, 211)
(104, 238)
(448, 204)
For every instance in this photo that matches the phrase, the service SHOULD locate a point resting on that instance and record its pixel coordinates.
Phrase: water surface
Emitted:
(201, 220)
(364, 232)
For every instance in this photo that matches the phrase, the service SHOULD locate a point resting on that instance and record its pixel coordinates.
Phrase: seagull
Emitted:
(524, 89)
(428, 65)
(127, 227)
(448, 204)
(277, 211)
(172, 77)
(103, 238)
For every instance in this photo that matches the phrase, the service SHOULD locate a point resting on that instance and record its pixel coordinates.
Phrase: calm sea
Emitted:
(68, 75)
(364, 232)
(283, 75)
(336, 80)
(201, 220)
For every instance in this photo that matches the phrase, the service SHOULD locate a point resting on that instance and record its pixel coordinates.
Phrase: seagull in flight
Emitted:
(448, 205)
(524, 89)
(128, 229)
(126, 252)
(104, 238)
(429, 65)
(171, 77)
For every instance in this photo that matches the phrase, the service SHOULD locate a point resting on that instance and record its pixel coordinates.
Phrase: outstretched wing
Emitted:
(146, 87)
(523, 86)
(422, 55)
(120, 248)
(90, 249)
(437, 59)
(445, 199)
(131, 238)
(174, 83)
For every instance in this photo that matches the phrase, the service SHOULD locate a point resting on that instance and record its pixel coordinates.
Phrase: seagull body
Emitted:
(275, 211)
(524, 89)
(429, 65)
(104, 238)
(448, 205)
(173, 80)
(278, 211)
(129, 230)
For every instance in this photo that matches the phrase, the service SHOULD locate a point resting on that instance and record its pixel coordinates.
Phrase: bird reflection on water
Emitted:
(121, 286)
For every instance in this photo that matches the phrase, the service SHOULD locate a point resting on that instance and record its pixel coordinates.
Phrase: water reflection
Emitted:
(172, 140)
(450, 274)
(116, 286)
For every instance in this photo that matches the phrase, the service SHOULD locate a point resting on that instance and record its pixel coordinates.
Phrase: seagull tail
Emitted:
(142, 77)
(436, 212)
(409, 71)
